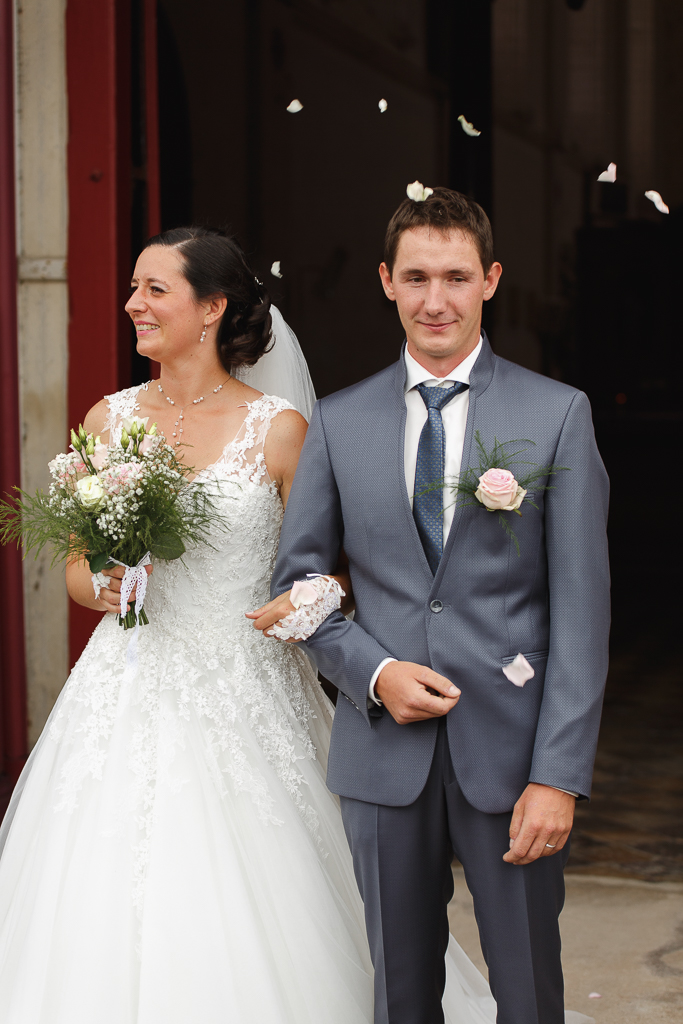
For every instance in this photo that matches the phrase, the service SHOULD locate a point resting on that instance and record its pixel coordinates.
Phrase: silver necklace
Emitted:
(178, 431)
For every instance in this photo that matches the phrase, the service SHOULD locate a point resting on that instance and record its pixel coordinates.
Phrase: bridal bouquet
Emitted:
(113, 505)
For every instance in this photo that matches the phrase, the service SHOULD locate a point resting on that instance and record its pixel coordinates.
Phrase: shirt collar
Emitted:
(417, 374)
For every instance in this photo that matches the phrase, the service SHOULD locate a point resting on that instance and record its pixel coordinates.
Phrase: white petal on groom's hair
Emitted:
(657, 200)
(382, 106)
(295, 106)
(610, 174)
(417, 192)
(519, 671)
(275, 269)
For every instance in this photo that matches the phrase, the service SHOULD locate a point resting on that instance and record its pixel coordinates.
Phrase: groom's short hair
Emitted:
(444, 210)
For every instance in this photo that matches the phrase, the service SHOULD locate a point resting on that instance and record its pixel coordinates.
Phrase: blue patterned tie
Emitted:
(428, 506)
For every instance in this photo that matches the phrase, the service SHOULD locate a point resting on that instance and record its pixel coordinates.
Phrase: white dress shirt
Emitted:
(454, 418)
(453, 415)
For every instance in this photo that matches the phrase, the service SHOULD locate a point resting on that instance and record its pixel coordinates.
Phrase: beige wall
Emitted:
(41, 134)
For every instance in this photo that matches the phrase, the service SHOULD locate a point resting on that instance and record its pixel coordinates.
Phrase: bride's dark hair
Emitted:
(214, 264)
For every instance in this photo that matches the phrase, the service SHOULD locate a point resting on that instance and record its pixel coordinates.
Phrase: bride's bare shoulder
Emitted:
(96, 421)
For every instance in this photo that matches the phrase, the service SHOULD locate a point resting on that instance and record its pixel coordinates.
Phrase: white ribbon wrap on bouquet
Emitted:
(313, 602)
(133, 576)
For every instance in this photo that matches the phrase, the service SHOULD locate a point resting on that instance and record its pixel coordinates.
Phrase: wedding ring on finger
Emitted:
(99, 582)
(551, 846)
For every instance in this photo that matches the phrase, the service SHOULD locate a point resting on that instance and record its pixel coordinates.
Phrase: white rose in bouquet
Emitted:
(135, 421)
(90, 492)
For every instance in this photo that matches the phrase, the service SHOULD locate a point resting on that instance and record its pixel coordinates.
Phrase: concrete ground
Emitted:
(622, 938)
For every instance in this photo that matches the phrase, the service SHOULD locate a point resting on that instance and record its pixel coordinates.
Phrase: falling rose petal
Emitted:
(467, 126)
(519, 671)
(657, 200)
(382, 106)
(594, 995)
(294, 107)
(610, 174)
(275, 269)
(303, 593)
(417, 192)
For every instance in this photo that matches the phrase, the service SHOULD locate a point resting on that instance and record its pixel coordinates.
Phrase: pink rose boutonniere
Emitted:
(493, 486)
(499, 491)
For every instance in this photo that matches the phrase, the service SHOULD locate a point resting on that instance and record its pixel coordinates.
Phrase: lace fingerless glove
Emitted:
(314, 600)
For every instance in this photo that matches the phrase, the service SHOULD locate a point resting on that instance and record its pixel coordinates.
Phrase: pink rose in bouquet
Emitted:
(99, 456)
(148, 442)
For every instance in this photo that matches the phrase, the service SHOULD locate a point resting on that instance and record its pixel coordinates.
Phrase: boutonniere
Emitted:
(493, 486)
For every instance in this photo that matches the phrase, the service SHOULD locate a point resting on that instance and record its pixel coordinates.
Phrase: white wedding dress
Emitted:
(172, 854)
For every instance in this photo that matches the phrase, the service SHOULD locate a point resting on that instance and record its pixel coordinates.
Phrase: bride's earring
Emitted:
(203, 335)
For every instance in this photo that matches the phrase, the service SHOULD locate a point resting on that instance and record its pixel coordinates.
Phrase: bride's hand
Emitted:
(272, 613)
(110, 596)
(80, 586)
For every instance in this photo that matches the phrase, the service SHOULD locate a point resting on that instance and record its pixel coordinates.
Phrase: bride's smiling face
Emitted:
(168, 319)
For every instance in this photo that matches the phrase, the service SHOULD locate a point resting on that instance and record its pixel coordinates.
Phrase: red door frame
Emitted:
(98, 53)
(97, 76)
(13, 721)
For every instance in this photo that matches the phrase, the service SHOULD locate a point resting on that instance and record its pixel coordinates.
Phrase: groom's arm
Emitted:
(310, 541)
(578, 580)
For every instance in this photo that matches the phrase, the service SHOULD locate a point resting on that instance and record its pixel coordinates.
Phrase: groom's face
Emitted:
(438, 284)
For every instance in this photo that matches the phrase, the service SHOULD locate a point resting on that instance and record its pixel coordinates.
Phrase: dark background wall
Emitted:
(315, 189)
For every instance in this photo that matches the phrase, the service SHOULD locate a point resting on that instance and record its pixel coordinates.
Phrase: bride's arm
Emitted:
(282, 449)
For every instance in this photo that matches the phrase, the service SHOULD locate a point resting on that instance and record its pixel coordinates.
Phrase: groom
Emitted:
(435, 751)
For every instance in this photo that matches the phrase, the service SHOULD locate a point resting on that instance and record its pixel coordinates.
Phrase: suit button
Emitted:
(436, 606)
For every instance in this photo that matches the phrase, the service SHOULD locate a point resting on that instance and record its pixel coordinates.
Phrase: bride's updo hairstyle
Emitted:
(214, 264)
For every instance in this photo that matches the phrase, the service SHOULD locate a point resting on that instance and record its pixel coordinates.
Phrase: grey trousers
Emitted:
(402, 859)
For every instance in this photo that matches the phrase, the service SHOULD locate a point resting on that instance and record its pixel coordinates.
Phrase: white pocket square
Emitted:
(519, 671)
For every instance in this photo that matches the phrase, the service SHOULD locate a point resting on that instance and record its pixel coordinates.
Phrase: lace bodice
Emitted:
(209, 589)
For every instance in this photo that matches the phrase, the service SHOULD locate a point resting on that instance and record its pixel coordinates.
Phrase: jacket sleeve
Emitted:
(578, 579)
(310, 541)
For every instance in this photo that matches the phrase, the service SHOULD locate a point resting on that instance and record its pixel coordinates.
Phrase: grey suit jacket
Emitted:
(484, 605)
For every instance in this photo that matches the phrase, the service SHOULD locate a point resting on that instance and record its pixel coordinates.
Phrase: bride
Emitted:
(171, 852)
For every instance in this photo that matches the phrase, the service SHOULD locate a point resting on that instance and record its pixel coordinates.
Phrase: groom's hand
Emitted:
(541, 823)
(412, 693)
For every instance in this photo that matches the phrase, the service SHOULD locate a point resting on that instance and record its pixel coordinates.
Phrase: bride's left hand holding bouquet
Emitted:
(119, 504)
